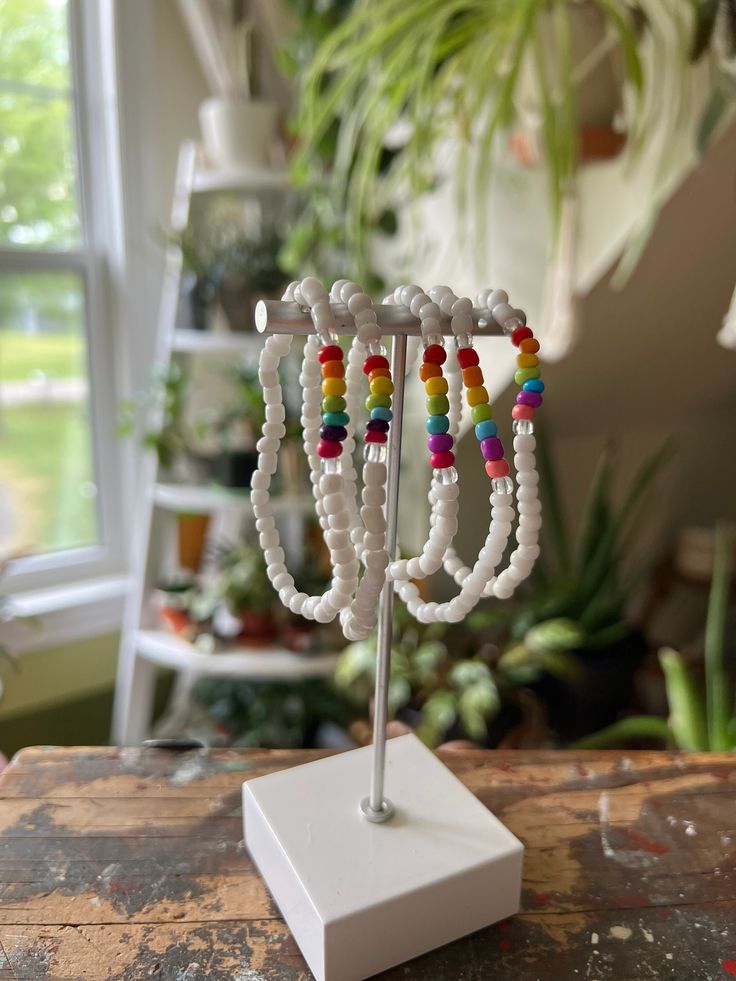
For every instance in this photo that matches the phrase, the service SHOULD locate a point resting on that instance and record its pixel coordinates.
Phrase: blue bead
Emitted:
(335, 418)
(533, 385)
(381, 413)
(437, 425)
(486, 429)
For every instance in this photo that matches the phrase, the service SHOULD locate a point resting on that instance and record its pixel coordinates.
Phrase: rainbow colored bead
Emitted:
(528, 378)
(334, 417)
(476, 394)
(378, 403)
(439, 442)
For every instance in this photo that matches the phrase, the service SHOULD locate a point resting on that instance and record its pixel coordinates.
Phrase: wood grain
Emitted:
(124, 864)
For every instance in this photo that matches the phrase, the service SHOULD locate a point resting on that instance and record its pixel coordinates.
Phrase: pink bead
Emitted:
(372, 436)
(328, 448)
(522, 412)
(441, 460)
(492, 448)
(497, 468)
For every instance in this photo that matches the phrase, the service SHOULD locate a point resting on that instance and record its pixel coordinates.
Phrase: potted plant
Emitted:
(238, 129)
(238, 599)
(572, 641)
(198, 281)
(404, 77)
(701, 717)
(247, 269)
(172, 602)
(236, 429)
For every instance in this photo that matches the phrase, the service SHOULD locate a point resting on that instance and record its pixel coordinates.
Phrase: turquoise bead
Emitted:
(486, 429)
(436, 425)
(335, 419)
(386, 415)
(533, 385)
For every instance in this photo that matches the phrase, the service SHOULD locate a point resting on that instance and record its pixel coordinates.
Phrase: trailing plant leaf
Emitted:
(630, 729)
(716, 678)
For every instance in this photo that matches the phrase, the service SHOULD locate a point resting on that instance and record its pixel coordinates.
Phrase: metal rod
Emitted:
(377, 808)
(281, 317)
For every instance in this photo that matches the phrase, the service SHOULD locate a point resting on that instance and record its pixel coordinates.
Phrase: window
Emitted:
(59, 506)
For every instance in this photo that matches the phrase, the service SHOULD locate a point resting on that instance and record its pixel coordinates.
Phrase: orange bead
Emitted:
(429, 370)
(333, 369)
(472, 376)
(379, 373)
(527, 360)
(529, 346)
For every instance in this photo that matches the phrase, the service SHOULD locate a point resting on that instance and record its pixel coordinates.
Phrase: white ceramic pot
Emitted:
(238, 133)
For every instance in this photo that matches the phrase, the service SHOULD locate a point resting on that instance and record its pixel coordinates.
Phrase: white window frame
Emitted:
(101, 265)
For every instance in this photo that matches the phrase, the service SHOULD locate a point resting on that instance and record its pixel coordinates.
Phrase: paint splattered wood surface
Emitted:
(120, 865)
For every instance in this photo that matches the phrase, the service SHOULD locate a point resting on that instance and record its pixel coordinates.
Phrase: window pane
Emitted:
(47, 479)
(38, 195)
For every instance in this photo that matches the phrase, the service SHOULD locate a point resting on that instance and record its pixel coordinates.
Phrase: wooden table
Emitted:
(129, 864)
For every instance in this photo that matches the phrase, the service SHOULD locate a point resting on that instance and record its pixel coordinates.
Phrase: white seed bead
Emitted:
(373, 518)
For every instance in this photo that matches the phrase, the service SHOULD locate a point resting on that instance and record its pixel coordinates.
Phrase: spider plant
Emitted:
(455, 69)
(698, 720)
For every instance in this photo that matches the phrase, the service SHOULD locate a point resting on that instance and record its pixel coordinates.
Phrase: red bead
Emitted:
(520, 334)
(497, 468)
(435, 354)
(372, 436)
(522, 412)
(467, 357)
(374, 361)
(333, 352)
(441, 460)
(327, 448)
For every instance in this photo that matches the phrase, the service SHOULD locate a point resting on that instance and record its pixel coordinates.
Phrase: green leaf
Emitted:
(716, 676)
(438, 715)
(561, 634)
(625, 731)
(687, 713)
(712, 115)
(706, 15)
(554, 519)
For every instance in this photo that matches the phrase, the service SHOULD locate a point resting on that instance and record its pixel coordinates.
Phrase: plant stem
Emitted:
(716, 680)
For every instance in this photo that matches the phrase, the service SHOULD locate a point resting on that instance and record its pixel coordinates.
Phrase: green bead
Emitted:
(438, 405)
(479, 413)
(333, 403)
(437, 425)
(335, 419)
(378, 401)
(524, 374)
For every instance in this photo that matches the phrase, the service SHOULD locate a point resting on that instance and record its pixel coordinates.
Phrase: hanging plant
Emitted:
(400, 77)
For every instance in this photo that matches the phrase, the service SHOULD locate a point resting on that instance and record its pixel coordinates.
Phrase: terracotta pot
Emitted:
(259, 627)
(192, 536)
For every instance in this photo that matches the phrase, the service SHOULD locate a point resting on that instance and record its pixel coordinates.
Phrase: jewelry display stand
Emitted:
(366, 881)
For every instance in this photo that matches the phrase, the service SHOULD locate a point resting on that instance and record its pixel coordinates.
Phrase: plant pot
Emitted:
(259, 627)
(235, 468)
(237, 133)
(192, 536)
(238, 303)
(601, 691)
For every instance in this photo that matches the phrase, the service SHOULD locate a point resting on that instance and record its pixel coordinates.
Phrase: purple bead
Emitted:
(377, 426)
(534, 399)
(491, 448)
(334, 434)
(440, 443)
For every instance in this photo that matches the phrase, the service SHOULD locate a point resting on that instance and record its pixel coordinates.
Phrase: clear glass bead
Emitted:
(446, 475)
(523, 427)
(463, 340)
(330, 465)
(510, 325)
(375, 347)
(327, 336)
(431, 339)
(503, 485)
(375, 452)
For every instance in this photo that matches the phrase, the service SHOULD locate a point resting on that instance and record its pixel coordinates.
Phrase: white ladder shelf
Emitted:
(143, 647)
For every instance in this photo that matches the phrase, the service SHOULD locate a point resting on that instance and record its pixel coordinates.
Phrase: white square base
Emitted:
(361, 897)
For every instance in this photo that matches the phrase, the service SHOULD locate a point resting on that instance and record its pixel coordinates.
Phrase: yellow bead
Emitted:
(333, 386)
(436, 386)
(382, 386)
(476, 395)
(527, 360)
